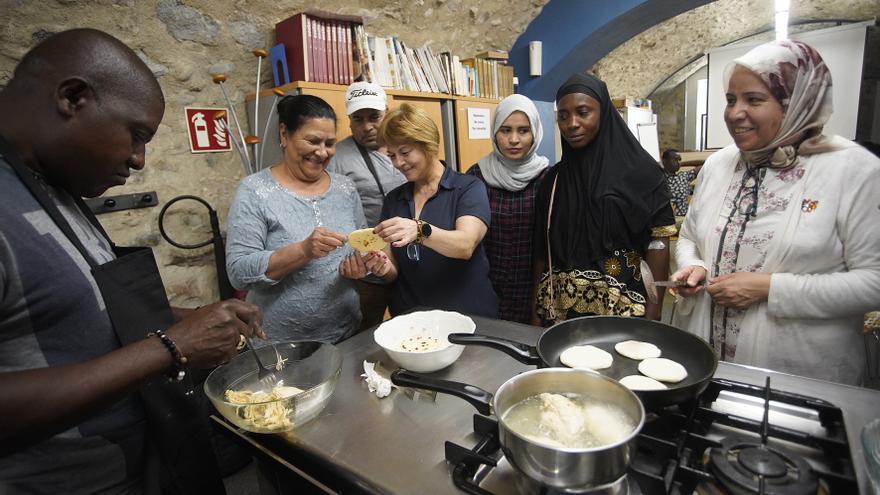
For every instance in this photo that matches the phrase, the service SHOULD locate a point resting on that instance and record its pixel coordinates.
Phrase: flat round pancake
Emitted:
(636, 349)
(662, 369)
(586, 357)
(365, 241)
(640, 382)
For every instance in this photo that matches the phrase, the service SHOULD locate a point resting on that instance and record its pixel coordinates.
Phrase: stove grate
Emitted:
(674, 446)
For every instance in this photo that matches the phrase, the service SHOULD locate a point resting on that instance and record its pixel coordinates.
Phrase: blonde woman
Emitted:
(434, 225)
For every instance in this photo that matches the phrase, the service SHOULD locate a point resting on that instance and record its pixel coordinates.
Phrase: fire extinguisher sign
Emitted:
(208, 129)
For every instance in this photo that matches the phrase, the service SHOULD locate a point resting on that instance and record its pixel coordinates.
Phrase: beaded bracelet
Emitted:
(179, 359)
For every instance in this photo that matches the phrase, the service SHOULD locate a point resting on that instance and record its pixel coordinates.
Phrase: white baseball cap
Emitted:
(361, 95)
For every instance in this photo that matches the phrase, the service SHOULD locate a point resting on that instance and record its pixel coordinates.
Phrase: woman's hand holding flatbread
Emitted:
(356, 267)
(378, 263)
(321, 242)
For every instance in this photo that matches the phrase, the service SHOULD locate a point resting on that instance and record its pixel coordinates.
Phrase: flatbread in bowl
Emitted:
(418, 341)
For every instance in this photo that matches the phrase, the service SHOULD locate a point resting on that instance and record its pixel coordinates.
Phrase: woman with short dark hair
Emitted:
(287, 230)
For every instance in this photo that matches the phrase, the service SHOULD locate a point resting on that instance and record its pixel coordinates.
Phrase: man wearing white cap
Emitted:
(360, 158)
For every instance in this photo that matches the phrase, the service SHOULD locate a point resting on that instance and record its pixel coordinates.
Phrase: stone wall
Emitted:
(642, 65)
(669, 107)
(638, 66)
(183, 43)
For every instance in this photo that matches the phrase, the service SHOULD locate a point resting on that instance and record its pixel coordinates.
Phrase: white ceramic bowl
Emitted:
(437, 324)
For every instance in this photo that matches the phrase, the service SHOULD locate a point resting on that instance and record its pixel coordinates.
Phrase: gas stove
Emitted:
(735, 438)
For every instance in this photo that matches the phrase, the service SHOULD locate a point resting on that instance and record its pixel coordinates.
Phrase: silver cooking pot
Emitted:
(556, 467)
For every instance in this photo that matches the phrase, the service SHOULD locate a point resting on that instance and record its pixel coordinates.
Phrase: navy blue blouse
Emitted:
(436, 281)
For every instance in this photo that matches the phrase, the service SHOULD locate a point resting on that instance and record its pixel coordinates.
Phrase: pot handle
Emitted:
(479, 398)
(526, 354)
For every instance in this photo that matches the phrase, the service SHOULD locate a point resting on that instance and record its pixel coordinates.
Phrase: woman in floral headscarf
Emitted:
(783, 226)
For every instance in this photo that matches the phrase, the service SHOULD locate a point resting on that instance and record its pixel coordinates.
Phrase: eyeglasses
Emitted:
(412, 252)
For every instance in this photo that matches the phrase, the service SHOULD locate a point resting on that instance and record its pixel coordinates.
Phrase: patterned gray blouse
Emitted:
(314, 302)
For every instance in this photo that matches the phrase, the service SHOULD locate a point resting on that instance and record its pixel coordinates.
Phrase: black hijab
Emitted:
(607, 193)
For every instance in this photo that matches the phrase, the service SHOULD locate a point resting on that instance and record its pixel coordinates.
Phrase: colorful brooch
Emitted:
(809, 205)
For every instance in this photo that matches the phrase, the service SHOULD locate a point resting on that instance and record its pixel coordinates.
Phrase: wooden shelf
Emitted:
(391, 92)
(449, 112)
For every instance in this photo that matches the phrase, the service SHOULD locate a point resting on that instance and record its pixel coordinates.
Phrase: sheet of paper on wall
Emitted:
(478, 123)
(647, 136)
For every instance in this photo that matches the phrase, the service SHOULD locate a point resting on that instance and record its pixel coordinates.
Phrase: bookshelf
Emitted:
(456, 148)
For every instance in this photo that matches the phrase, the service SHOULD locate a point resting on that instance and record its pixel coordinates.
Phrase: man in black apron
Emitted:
(85, 324)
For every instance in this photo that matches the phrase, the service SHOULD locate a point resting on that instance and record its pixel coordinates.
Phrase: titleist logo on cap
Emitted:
(362, 92)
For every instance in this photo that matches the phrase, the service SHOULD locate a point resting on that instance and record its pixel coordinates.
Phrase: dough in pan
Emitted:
(636, 349)
(641, 382)
(662, 369)
(587, 357)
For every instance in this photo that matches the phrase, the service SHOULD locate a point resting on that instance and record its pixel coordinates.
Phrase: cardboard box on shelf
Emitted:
(632, 102)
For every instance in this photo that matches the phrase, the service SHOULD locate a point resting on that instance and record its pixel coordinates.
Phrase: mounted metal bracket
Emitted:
(109, 204)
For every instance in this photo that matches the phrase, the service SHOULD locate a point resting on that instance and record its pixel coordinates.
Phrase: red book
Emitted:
(337, 68)
(349, 48)
(293, 33)
(328, 52)
(331, 51)
(313, 59)
(322, 50)
(343, 67)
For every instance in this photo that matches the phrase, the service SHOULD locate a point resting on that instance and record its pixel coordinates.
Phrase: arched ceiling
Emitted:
(638, 66)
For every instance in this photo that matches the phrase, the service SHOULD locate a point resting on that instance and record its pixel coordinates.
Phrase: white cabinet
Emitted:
(643, 124)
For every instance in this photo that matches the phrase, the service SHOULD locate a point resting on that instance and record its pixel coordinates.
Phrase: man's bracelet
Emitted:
(179, 359)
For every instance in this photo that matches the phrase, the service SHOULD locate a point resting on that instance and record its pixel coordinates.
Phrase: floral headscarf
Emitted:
(799, 79)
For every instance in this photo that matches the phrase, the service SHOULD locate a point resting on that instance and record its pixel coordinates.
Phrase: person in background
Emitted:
(603, 215)
(679, 182)
(288, 226)
(434, 225)
(512, 173)
(360, 158)
(783, 226)
(85, 324)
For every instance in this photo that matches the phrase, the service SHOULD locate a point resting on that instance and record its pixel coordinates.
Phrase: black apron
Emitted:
(177, 428)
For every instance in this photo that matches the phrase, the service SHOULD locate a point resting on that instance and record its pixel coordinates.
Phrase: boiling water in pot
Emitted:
(569, 421)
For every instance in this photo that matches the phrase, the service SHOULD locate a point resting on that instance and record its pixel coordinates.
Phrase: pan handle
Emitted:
(479, 398)
(527, 354)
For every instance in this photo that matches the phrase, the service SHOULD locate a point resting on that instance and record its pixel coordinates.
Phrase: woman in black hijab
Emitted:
(608, 207)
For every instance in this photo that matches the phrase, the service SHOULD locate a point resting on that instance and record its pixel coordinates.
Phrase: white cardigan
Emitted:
(825, 266)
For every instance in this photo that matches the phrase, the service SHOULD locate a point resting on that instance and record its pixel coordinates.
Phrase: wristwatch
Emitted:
(423, 231)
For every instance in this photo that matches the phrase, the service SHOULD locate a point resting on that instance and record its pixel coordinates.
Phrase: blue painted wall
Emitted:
(548, 122)
(561, 26)
(578, 33)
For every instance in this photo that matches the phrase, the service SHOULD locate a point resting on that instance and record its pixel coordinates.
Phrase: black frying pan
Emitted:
(603, 332)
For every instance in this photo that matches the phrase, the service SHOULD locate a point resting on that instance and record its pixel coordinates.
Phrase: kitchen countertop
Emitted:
(396, 444)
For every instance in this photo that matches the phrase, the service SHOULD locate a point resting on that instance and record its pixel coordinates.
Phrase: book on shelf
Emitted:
(295, 34)
(331, 48)
(320, 46)
(493, 55)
